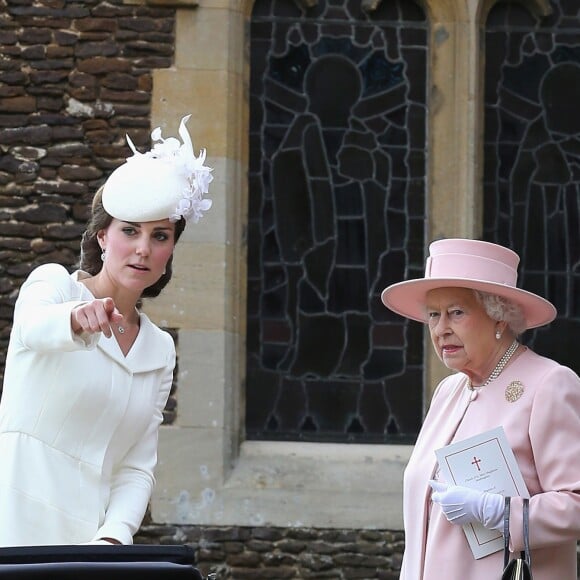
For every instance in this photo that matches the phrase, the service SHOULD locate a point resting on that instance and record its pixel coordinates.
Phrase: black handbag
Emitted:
(518, 568)
(97, 562)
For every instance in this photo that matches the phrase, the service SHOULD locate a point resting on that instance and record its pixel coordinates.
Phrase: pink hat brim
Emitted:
(408, 298)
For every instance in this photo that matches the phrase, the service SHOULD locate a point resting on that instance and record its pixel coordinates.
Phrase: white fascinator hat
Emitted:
(168, 181)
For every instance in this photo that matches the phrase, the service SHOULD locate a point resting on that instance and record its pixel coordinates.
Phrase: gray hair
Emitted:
(502, 309)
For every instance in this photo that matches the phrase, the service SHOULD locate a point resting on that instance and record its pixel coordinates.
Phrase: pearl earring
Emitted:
(103, 255)
(497, 334)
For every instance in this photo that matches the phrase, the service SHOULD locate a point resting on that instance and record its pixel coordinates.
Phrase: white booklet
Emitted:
(484, 462)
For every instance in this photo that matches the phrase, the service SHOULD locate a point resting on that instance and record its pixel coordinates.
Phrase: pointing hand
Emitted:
(96, 316)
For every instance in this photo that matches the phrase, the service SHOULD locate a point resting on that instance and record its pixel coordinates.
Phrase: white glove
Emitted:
(97, 543)
(462, 505)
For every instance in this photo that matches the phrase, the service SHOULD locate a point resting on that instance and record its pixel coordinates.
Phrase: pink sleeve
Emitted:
(554, 432)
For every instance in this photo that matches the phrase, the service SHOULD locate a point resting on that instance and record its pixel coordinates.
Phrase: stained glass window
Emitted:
(337, 212)
(532, 159)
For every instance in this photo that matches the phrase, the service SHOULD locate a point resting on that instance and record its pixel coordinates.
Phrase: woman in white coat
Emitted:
(87, 374)
(474, 312)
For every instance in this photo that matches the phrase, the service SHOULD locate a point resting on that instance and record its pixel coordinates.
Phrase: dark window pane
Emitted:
(337, 211)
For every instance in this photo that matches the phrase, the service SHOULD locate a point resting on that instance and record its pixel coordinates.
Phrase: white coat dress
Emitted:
(79, 420)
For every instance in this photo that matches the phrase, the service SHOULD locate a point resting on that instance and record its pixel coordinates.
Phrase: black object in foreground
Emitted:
(96, 562)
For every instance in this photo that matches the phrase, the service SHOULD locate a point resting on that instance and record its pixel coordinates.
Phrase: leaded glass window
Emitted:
(336, 213)
(532, 159)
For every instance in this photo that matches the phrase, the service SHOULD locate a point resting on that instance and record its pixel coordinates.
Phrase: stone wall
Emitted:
(240, 553)
(75, 77)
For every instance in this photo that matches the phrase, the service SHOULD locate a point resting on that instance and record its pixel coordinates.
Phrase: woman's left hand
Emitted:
(462, 505)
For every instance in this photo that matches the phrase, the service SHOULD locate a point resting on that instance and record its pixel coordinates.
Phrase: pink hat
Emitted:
(468, 264)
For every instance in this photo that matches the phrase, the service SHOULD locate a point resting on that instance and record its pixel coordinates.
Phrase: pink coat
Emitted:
(543, 429)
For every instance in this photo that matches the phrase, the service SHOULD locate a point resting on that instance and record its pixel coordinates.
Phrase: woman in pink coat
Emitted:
(87, 374)
(475, 313)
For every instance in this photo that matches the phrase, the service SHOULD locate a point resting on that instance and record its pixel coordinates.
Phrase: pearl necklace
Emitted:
(503, 361)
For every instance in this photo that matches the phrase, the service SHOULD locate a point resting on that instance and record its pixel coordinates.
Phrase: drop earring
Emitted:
(103, 255)
(497, 334)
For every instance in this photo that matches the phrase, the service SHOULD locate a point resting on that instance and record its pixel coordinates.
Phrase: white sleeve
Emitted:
(133, 480)
(42, 314)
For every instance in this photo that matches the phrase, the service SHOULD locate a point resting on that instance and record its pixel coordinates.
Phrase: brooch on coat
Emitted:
(514, 391)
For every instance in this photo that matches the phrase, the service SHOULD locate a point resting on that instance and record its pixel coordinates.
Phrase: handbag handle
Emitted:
(506, 532)
(527, 555)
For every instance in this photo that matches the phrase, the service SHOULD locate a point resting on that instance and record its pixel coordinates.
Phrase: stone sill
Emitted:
(321, 485)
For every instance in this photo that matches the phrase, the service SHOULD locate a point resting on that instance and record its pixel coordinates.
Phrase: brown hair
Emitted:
(91, 251)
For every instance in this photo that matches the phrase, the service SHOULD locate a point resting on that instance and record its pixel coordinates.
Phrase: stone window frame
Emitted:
(207, 475)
